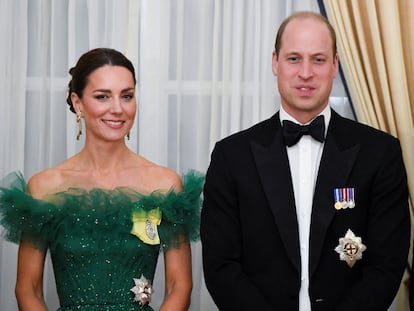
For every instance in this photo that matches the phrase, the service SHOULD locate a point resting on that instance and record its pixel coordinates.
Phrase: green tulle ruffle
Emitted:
(95, 212)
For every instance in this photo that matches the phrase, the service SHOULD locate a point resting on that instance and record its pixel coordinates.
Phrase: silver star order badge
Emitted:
(350, 248)
(142, 290)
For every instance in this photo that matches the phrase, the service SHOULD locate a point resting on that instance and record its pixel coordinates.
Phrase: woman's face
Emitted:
(108, 104)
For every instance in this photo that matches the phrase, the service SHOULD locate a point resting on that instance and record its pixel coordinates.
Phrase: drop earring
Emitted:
(79, 122)
(128, 135)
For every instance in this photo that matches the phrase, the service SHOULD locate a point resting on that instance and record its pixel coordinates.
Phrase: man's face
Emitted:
(305, 68)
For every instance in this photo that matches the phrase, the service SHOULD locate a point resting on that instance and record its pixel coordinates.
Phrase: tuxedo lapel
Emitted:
(334, 169)
(273, 168)
(272, 165)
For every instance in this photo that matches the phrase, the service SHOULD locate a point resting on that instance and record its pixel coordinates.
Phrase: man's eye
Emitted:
(293, 59)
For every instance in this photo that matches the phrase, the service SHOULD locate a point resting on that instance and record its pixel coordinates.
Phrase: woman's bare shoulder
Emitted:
(158, 177)
(44, 182)
(167, 178)
(50, 180)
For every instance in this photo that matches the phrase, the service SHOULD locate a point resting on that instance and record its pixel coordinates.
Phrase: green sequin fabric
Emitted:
(95, 257)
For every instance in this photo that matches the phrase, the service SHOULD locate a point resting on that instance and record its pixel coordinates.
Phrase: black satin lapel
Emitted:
(273, 167)
(334, 170)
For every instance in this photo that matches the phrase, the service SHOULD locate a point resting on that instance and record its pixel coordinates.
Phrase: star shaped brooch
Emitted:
(142, 290)
(350, 248)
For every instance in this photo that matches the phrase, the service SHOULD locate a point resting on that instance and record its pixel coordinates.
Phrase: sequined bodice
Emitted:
(99, 270)
(95, 256)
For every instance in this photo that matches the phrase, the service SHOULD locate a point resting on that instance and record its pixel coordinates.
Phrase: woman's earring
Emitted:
(79, 122)
(128, 135)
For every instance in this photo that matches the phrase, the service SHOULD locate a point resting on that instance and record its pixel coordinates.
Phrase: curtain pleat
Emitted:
(13, 69)
(375, 44)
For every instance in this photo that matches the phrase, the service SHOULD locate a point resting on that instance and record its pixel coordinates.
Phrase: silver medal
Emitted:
(150, 229)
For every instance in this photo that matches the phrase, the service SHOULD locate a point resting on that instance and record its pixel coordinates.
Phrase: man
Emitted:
(295, 222)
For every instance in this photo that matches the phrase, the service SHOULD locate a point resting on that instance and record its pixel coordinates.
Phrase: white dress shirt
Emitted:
(304, 158)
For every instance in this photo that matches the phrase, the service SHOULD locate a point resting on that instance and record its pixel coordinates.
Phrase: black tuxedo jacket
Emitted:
(249, 229)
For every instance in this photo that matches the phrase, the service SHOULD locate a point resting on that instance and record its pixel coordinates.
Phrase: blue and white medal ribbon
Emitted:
(338, 200)
(351, 200)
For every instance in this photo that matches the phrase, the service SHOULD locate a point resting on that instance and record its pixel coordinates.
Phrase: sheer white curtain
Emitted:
(204, 71)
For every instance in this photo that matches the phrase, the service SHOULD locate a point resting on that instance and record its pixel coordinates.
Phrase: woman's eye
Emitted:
(100, 97)
(128, 96)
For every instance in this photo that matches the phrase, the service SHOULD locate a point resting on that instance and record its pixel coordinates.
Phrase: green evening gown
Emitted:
(95, 256)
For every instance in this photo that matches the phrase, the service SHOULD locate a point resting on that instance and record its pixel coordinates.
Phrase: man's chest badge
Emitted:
(350, 248)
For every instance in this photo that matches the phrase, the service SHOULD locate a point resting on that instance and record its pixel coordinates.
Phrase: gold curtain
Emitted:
(376, 49)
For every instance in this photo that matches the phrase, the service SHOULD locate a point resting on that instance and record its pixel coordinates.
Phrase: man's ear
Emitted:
(336, 64)
(274, 63)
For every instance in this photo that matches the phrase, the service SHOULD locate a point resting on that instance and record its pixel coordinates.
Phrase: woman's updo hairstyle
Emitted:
(91, 61)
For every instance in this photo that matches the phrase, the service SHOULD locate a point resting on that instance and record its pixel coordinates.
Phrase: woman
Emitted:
(105, 212)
